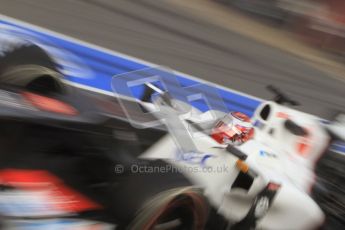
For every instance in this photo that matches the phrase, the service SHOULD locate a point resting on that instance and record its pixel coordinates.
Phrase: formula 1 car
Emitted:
(69, 159)
(64, 161)
(271, 181)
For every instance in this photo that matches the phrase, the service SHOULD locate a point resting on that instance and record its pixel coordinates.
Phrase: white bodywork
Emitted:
(276, 154)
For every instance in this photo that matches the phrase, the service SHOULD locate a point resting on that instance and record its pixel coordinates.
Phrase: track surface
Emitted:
(159, 32)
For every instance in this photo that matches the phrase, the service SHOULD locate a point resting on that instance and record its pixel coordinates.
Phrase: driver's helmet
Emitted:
(235, 128)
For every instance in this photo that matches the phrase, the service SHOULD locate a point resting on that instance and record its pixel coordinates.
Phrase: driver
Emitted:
(235, 128)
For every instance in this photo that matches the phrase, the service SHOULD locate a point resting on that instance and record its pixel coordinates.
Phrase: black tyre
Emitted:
(30, 67)
(181, 208)
(148, 201)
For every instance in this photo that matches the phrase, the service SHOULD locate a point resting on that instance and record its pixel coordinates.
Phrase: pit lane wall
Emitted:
(92, 67)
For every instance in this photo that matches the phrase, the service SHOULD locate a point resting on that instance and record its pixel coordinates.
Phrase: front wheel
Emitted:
(153, 200)
(176, 209)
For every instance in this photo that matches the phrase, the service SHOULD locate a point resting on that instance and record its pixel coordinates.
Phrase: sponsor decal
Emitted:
(267, 154)
(194, 158)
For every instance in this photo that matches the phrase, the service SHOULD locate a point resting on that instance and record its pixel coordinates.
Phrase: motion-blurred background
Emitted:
(240, 44)
(317, 22)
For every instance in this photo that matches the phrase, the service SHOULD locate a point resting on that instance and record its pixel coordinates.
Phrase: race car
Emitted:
(268, 179)
(69, 158)
(66, 156)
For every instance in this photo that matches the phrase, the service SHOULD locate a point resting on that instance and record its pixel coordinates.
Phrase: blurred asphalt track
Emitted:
(166, 34)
